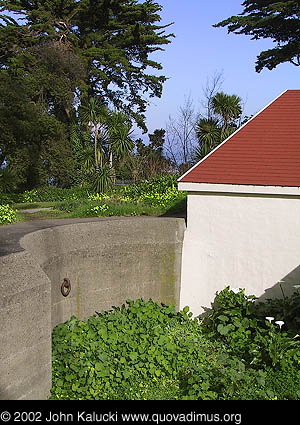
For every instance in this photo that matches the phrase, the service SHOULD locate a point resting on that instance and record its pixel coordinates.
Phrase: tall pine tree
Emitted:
(58, 54)
(112, 39)
(277, 20)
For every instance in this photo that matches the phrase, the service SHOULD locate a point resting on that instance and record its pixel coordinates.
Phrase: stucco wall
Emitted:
(107, 262)
(247, 241)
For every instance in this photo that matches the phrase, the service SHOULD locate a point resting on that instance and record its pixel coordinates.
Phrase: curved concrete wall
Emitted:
(107, 262)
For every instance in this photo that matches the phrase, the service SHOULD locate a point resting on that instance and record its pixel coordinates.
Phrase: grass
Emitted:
(27, 205)
(106, 208)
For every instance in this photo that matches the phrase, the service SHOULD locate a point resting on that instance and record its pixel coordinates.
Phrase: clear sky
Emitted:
(199, 50)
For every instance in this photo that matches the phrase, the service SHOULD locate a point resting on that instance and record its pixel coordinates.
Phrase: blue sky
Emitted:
(199, 50)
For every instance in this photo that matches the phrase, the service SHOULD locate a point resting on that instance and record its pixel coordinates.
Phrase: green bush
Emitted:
(236, 320)
(160, 191)
(232, 320)
(7, 214)
(283, 384)
(134, 352)
(287, 308)
(52, 195)
(149, 351)
(9, 198)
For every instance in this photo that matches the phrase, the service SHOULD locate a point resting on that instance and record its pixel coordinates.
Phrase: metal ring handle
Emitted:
(65, 287)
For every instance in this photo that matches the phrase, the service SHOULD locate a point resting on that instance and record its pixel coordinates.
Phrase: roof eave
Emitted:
(239, 189)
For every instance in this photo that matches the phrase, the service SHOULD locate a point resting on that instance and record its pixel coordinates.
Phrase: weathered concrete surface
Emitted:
(106, 260)
(11, 234)
(25, 335)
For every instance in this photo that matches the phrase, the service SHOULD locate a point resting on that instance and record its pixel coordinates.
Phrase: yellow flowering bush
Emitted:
(30, 196)
(98, 197)
(160, 191)
(99, 210)
(162, 199)
(7, 214)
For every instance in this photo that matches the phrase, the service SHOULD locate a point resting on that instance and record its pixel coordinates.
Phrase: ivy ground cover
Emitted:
(144, 350)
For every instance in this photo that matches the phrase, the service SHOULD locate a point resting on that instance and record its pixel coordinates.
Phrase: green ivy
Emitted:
(144, 350)
(126, 353)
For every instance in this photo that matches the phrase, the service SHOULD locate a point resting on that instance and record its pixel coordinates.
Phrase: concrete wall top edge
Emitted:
(80, 236)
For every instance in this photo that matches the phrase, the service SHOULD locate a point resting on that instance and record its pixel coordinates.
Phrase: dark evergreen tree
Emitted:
(277, 20)
(113, 40)
(58, 55)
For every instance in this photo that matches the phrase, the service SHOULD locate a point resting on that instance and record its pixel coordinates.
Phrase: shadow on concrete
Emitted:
(281, 291)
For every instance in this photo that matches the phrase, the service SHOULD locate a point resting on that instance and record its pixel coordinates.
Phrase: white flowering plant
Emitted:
(235, 319)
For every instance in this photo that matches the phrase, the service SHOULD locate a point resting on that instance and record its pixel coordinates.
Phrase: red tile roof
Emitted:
(265, 151)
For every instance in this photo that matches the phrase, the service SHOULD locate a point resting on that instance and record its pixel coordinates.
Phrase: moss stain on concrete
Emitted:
(168, 277)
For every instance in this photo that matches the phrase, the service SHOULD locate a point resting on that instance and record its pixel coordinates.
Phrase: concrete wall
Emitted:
(107, 262)
(25, 331)
(243, 240)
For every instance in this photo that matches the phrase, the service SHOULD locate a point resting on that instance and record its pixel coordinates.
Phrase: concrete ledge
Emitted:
(107, 262)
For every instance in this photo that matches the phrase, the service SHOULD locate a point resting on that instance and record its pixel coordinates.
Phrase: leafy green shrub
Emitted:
(160, 191)
(126, 353)
(6, 199)
(234, 320)
(98, 196)
(283, 384)
(287, 308)
(225, 379)
(149, 351)
(99, 210)
(53, 194)
(7, 214)
(103, 179)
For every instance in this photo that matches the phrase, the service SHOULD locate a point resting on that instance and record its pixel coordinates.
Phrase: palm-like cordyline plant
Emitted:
(212, 131)
(208, 134)
(228, 107)
(95, 114)
(119, 136)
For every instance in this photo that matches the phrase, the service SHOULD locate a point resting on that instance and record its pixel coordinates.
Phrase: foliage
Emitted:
(112, 41)
(144, 350)
(228, 107)
(56, 59)
(160, 191)
(7, 214)
(277, 20)
(150, 159)
(235, 319)
(152, 197)
(102, 179)
(115, 354)
(98, 197)
(288, 308)
(49, 194)
(215, 129)
(7, 180)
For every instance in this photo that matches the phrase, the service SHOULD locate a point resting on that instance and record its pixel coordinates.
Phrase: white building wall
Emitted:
(241, 240)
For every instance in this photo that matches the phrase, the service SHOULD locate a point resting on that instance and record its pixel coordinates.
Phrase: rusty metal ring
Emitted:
(65, 287)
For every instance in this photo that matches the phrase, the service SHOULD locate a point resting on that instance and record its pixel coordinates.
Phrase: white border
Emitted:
(243, 189)
(221, 144)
